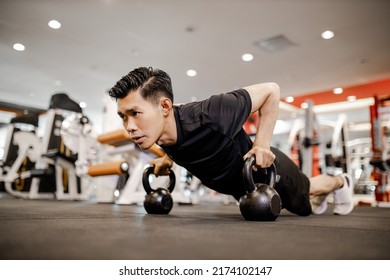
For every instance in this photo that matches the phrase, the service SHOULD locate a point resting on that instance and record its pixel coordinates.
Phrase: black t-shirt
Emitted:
(211, 142)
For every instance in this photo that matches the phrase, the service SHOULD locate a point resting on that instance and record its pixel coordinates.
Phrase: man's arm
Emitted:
(265, 100)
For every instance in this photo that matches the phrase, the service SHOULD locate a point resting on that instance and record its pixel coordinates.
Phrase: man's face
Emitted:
(142, 119)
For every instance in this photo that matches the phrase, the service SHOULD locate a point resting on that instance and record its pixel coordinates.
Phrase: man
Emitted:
(207, 139)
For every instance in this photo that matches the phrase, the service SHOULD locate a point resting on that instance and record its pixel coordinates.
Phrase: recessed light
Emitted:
(327, 35)
(19, 47)
(247, 57)
(54, 24)
(351, 98)
(304, 105)
(289, 99)
(191, 73)
(83, 104)
(338, 90)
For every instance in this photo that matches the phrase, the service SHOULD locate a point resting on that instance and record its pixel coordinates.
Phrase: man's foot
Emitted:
(343, 197)
(319, 204)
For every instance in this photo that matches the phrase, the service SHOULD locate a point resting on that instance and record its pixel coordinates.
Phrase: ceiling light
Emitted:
(289, 99)
(191, 73)
(327, 35)
(338, 90)
(54, 24)
(304, 105)
(82, 104)
(247, 57)
(351, 98)
(19, 47)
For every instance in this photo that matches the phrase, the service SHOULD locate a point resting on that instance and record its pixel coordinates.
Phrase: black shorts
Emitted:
(293, 186)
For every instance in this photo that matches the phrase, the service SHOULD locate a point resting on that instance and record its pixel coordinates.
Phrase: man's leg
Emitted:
(293, 186)
(324, 184)
(341, 186)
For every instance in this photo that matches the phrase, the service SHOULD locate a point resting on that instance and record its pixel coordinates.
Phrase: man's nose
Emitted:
(131, 126)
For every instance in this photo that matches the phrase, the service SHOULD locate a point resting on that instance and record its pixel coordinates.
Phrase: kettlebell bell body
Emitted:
(261, 202)
(158, 201)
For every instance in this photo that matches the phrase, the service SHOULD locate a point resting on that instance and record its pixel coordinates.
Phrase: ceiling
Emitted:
(102, 40)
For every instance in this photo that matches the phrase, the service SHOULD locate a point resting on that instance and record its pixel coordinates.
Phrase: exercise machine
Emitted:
(53, 173)
(21, 151)
(305, 144)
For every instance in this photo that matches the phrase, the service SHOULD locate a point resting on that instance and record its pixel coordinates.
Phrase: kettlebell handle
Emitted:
(248, 177)
(145, 180)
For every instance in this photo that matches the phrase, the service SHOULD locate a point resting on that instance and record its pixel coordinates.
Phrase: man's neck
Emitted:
(169, 136)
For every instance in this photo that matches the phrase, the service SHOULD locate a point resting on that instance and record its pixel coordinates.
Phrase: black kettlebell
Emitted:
(158, 201)
(261, 202)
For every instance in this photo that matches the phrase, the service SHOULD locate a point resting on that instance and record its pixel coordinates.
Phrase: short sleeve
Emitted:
(227, 112)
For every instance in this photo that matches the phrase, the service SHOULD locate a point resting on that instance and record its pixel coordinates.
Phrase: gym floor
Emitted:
(66, 230)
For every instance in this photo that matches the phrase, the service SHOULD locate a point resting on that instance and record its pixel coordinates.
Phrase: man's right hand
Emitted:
(161, 165)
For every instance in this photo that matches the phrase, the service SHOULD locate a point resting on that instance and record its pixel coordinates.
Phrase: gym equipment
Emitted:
(52, 174)
(311, 163)
(295, 146)
(361, 166)
(68, 185)
(337, 154)
(94, 163)
(22, 123)
(323, 148)
(379, 149)
(304, 144)
(158, 201)
(109, 168)
(309, 142)
(23, 150)
(262, 202)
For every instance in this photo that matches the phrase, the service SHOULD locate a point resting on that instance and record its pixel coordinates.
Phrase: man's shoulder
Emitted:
(212, 108)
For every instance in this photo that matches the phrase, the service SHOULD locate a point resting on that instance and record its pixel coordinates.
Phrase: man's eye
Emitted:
(123, 118)
(134, 114)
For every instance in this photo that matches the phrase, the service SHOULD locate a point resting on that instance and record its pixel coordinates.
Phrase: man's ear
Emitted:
(166, 105)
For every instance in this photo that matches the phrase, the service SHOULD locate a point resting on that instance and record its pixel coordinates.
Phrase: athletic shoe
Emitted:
(343, 197)
(319, 204)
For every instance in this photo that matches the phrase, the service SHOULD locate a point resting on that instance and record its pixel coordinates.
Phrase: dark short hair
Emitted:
(153, 83)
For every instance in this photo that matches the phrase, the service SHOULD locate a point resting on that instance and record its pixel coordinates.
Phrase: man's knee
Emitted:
(301, 207)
